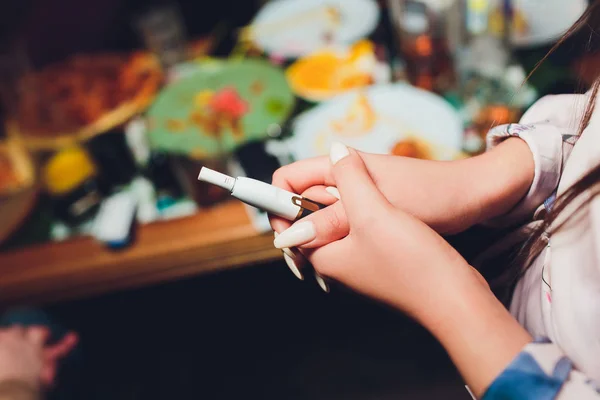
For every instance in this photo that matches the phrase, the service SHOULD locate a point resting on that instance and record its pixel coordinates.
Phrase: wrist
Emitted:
(458, 293)
(499, 179)
(477, 331)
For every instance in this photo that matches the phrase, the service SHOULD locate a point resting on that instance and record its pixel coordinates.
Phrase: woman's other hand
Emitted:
(25, 356)
(387, 254)
(395, 258)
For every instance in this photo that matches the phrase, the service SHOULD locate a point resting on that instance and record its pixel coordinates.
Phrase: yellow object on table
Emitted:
(328, 73)
(519, 25)
(67, 170)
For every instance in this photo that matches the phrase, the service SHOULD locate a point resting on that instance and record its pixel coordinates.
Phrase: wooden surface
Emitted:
(215, 239)
(14, 210)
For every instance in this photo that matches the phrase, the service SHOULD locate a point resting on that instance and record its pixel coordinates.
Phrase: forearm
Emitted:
(478, 333)
(469, 191)
(501, 178)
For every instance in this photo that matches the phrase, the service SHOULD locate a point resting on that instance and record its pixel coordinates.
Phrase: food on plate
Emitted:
(413, 148)
(66, 97)
(359, 119)
(175, 125)
(327, 73)
(222, 103)
(257, 87)
(215, 111)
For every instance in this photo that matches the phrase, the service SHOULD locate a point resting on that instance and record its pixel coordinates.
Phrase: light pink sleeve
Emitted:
(550, 130)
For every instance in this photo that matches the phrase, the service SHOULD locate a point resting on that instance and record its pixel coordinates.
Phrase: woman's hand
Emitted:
(25, 357)
(391, 256)
(387, 254)
(448, 196)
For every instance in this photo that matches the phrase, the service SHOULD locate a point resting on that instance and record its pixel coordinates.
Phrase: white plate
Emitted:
(282, 28)
(548, 20)
(402, 111)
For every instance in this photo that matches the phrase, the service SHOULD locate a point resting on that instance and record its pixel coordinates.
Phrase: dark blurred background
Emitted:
(54, 29)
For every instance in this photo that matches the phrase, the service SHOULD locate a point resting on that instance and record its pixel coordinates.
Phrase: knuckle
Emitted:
(278, 176)
(330, 270)
(369, 222)
(346, 162)
(334, 218)
(365, 221)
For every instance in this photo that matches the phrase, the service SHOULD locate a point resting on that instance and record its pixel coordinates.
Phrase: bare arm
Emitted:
(448, 196)
(453, 196)
(478, 333)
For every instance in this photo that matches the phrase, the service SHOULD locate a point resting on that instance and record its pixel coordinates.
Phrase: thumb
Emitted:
(360, 196)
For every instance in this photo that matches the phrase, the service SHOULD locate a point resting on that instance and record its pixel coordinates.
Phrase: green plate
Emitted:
(183, 119)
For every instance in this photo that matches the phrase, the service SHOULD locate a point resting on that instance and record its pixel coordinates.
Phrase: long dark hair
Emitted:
(536, 240)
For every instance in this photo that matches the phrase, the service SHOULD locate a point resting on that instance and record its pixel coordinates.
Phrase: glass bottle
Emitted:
(421, 28)
(489, 77)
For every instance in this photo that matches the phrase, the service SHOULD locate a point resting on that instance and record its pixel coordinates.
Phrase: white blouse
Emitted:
(558, 298)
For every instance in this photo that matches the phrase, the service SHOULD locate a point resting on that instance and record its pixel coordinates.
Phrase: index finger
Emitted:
(63, 347)
(302, 175)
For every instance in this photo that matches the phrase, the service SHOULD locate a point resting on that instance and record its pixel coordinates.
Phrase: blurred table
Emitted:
(217, 239)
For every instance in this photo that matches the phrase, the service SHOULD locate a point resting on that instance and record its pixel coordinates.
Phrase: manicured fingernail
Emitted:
(333, 191)
(289, 256)
(322, 284)
(292, 266)
(286, 250)
(337, 152)
(289, 253)
(296, 235)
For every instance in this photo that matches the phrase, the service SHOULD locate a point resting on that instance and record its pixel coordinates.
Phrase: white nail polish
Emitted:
(322, 284)
(286, 250)
(292, 266)
(289, 252)
(333, 191)
(296, 235)
(338, 151)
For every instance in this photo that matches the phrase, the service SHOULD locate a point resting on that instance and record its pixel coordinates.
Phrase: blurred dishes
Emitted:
(18, 189)
(162, 29)
(83, 96)
(295, 28)
(16, 168)
(330, 72)
(15, 209)
(219, 106)
(538, 22)
(376, 119)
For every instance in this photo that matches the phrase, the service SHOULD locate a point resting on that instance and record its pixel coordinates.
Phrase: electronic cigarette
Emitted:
(261, 195)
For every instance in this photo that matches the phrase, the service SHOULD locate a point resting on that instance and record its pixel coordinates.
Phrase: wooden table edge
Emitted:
(220, 238)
